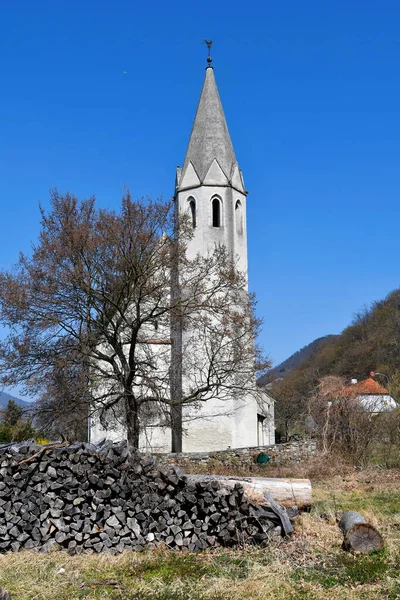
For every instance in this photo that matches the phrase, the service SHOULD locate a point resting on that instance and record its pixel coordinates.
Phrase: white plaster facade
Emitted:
(210, 189)
(377, 403)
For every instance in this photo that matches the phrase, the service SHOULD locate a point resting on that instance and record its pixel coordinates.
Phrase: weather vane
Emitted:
(208, 43)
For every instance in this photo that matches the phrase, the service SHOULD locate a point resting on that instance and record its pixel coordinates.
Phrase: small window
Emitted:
(239, 217)
(192, 209)
(216, 213)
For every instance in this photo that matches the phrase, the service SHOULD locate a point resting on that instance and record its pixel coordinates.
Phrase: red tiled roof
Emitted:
(368, 387)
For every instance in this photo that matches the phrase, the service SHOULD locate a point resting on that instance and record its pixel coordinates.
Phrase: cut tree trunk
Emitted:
(287, 492)
(176, 428)
(359, 536)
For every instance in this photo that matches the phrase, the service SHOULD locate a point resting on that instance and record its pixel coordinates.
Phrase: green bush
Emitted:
(5, 434)
(13, 427)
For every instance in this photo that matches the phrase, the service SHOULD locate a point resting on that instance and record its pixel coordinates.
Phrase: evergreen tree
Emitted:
(12, 414)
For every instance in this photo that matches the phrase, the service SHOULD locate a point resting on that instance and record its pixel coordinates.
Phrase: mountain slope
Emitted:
(296, 360)
(4, 398)
(370, 343)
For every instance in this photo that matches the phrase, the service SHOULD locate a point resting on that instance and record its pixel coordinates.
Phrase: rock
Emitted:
(51, 472)
(113, 522)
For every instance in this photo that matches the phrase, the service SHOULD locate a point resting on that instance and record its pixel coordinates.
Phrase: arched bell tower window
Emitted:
(216, 212)
(239, 217)
(192, 211)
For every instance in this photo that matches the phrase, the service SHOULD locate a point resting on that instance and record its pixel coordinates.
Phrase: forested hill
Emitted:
(4, 398)
(370, 343)
(295, 360)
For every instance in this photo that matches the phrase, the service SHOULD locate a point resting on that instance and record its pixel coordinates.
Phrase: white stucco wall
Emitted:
(377, 403)
(205, 235)
(232, 422)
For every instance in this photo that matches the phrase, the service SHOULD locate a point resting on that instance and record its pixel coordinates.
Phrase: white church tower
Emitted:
(209, 187)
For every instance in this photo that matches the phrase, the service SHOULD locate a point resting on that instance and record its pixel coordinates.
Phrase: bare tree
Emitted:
(96, 295)
(343, 424)
(291, 395)
(63, 405)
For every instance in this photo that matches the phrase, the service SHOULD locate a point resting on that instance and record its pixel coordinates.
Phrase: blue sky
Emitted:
(311, 95)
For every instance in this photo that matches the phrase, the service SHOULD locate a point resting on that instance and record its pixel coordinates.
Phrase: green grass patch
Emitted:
(175, 567)
(385, 503)
(347, 570)
(382, 503)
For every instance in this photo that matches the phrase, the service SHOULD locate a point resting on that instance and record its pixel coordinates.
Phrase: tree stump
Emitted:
(359, 536)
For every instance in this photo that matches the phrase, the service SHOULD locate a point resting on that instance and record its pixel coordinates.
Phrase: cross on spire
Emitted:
(208, 43)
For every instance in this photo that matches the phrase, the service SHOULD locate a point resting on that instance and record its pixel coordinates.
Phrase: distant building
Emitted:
(372, 395)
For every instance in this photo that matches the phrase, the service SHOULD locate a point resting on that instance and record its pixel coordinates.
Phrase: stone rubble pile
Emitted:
(87, 498)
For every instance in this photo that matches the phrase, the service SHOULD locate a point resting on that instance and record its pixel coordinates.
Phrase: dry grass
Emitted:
(309, 566)
(316, 468)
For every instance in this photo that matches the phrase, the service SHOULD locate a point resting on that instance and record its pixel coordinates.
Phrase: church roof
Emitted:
(210, 137)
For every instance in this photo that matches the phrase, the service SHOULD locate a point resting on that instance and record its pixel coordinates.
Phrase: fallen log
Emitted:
(287, 492)
(359, 536)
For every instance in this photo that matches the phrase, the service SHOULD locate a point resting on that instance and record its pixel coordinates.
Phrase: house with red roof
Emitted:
(372, 395)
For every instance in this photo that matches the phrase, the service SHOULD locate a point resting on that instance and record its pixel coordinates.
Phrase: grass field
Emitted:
(309, 566)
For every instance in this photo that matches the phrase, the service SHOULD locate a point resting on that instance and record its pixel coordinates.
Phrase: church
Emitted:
(209, 189)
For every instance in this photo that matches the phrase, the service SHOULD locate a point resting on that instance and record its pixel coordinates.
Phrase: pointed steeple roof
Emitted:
(210, 139)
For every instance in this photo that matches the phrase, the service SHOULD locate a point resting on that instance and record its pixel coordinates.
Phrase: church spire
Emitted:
(210, 139)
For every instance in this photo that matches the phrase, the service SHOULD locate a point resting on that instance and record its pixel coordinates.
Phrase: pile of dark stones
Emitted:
(99, 498)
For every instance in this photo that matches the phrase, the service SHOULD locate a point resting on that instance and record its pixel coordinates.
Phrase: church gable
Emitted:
(190, 178)
(215, 175)
(237, 180)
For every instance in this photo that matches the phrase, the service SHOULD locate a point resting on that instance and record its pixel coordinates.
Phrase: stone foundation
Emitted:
(279, 454)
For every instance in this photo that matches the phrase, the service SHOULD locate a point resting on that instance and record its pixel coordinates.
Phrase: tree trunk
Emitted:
(176, 352)
(176, 428)
(359, 536)
(132, 423)
(287, 492)
(176, 387)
